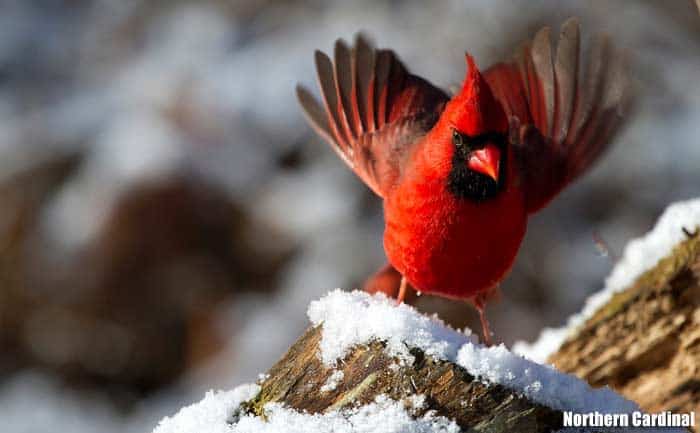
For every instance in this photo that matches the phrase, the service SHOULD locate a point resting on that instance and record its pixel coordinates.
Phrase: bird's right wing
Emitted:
(373, 110)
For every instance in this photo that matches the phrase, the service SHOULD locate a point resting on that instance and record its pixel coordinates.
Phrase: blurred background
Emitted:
(166, 215)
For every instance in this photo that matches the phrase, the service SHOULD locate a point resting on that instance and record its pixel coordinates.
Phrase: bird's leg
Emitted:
(402, 291)
(485, 329)
(480, 304)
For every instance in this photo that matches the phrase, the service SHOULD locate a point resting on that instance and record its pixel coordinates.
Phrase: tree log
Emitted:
(645, 342)
(298, 378)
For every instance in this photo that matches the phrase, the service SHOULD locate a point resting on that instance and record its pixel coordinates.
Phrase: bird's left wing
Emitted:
(373, 110)
(565, 119)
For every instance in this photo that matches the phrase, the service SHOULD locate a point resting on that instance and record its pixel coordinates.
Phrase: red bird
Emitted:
(461, 175)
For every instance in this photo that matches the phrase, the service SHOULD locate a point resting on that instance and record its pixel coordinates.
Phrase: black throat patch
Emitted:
(465, 183)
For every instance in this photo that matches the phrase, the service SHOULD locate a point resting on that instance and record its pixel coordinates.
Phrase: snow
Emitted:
(352, 318)
(539, 383)
(210, 415)
(549, 340)
(333, 381)
(640, 255)
(382, 416)
(643, 253)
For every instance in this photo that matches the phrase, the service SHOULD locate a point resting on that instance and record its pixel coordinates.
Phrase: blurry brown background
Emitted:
(166, 215)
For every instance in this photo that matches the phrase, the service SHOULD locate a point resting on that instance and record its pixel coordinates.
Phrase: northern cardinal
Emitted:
(461, 175)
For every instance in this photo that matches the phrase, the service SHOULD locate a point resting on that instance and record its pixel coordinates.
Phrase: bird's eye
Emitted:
(456, 138)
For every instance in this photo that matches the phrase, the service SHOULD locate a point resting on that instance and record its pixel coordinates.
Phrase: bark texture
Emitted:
(645, 342)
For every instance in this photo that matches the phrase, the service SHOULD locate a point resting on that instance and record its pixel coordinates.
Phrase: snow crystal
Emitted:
(416, 401)
(333, 381)
(210, 415)
(352, 318)
(640, 255)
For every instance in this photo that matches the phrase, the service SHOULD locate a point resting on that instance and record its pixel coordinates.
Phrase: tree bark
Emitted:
(645, 342)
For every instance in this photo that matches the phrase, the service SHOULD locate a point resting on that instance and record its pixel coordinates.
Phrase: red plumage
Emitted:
(444, 244)
(459, 176)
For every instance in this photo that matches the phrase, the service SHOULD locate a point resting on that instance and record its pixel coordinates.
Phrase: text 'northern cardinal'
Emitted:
(460, 175)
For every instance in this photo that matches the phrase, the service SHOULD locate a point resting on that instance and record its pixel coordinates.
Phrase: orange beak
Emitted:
(486, 161)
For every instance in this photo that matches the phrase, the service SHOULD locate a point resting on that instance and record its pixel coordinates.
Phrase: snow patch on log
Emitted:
(640, 255)
(384, 415)
(211, 415)
(333, 381)
(352, 318)
(381, 416)
(540, 383)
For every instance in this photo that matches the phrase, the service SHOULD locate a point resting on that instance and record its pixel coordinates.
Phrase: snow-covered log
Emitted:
(643, 339)
(426, 385)
(368, 365)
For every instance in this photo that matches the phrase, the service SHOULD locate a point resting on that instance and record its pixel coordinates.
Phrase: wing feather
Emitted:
(574, 115)
(375, 110)
(315, 114)
(324, 67)
(343, 84)
(566, 70)
(384, 59)
(364, 65)
(542, 61)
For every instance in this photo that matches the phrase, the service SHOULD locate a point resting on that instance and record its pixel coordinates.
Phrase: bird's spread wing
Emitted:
(373, 110)
(567, 118)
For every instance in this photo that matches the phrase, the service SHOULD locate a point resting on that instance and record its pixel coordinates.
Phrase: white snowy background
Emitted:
(205, 90)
